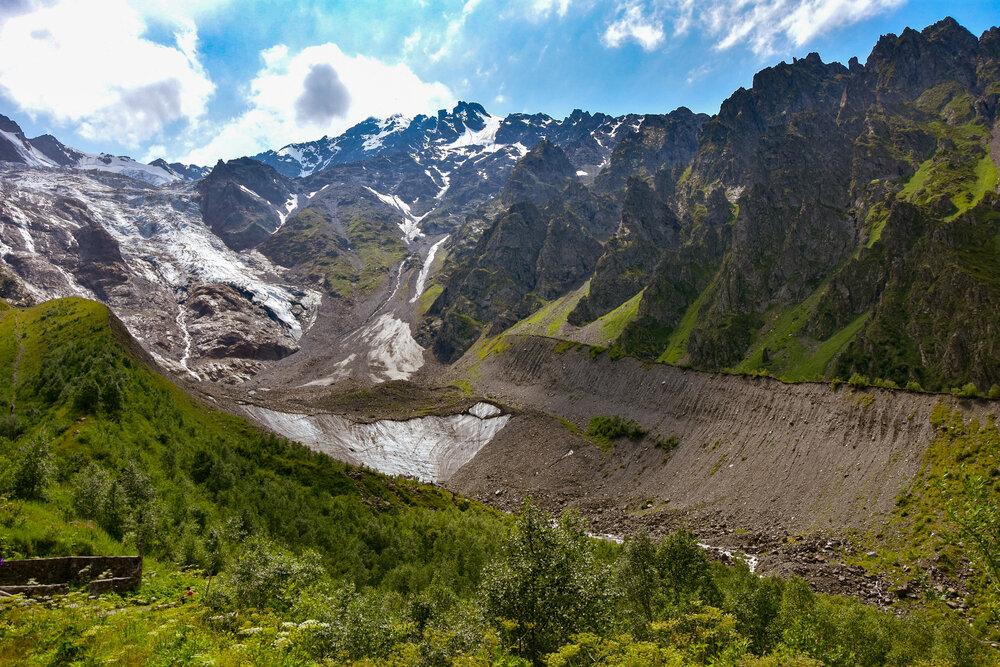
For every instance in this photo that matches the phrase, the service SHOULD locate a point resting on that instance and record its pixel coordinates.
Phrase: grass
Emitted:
(963, 174)
(676, 348)
(551, 317)
(614, 322)
(428, 298)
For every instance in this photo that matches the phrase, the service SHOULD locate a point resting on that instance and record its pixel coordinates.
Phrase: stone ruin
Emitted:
(38, 577)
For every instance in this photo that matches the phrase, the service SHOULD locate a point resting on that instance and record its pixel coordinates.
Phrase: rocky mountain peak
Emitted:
(245, 201)
(8, 125)
(540, 175)
(912, 62)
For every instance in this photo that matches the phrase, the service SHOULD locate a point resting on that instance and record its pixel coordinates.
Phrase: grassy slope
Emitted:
(207, 469)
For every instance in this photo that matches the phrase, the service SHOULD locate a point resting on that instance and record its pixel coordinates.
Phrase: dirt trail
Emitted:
(17, 365)
(754, 454)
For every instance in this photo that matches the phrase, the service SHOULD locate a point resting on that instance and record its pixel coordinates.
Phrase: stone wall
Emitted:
(117, 573)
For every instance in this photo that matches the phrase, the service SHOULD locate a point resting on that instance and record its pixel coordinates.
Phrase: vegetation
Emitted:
(605, 429)
(297, 559)
(550, 596)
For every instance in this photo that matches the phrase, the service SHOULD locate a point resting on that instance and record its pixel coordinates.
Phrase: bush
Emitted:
(995, 392)
(267, 576)
(858, 380)
(34, 470)
(547, 584)
(968, 390)
(605, 429)
(913, 385)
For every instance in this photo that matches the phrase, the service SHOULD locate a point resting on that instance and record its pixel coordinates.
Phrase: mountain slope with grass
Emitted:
(100, 450)
(832, 221)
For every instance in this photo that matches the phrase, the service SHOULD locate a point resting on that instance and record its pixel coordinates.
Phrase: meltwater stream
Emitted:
(430, 448)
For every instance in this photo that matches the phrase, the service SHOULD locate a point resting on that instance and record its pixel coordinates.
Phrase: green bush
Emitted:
(33, 470)
(994, 392)
(546, 585)
(605, 429)
(968, 390)
(858, 380)
(913, 385)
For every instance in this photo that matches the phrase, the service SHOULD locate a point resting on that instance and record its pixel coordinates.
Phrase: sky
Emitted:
(196, 81)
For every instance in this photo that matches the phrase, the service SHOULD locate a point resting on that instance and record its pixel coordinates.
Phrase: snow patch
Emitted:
(429, 448)
(484, 410)
(290, 205)
(127, 167)
(340, 373)
(426, 269)
(392, 351)
(31, 156)
(410, 226)
(484, 137)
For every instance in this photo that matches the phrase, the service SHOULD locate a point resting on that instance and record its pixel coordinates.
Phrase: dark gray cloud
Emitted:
(153, 106)
(9, 8)
(324, 96)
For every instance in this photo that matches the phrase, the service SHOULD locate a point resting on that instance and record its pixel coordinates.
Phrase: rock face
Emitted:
(809, 227)
(648, 227)
(539, 176)
(537, 249)
(244, 202)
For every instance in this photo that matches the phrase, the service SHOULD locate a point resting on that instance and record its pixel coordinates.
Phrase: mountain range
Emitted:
(832, 220)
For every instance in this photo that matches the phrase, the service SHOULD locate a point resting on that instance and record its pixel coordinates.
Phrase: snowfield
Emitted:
(429, 448)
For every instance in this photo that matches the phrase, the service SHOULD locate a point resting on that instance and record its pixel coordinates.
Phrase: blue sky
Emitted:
(199, 80)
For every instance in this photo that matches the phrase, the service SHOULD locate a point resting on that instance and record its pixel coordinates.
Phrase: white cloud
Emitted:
(542, 8)
(374, 88)
(767, 26)
(633, 24)
(177, 10)
(88, 65)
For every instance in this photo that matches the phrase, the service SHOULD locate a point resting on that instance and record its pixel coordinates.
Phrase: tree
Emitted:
(546, 586)
(34, 470)
(657, 582)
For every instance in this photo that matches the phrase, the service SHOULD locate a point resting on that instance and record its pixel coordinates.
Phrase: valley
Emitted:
(775, 327)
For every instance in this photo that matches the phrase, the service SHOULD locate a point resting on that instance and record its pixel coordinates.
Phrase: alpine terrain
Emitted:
(320, 375)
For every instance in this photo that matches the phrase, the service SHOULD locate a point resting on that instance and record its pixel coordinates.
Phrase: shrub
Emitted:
(34, 470)
(547, 585)
(995, 392)
(605, 429)
(913, 385)
(968, 390)
(858, 380)
(668, 444)
(265, 575)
